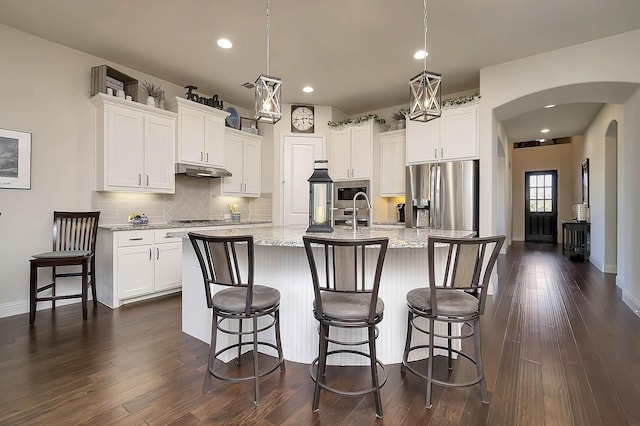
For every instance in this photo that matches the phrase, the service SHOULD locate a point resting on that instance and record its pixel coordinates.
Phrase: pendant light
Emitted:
(425, 99)
(268, 92)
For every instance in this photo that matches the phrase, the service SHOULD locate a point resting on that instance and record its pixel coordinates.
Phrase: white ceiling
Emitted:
(357, 54)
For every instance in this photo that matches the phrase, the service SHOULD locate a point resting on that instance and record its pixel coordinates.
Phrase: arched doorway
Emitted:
(611, 199)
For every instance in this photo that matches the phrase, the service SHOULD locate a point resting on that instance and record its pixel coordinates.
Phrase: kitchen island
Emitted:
(281, 262)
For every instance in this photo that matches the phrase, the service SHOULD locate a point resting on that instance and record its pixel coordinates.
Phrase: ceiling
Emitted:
(357, 54)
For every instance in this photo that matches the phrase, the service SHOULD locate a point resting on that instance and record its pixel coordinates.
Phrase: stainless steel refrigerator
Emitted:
(443, 195)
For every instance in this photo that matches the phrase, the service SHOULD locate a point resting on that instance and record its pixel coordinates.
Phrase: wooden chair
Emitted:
(458, 297)
(74, 244)
(242, 300)
(346, 297)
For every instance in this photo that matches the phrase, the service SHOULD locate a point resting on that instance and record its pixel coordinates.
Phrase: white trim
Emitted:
(22, 306)
(610, 269)
(631, 302)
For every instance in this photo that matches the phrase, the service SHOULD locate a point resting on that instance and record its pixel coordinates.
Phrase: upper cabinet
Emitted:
(135, 146)
(200, 134)
(392, 163)
(454, 136)
(352, 152)
(244, 158)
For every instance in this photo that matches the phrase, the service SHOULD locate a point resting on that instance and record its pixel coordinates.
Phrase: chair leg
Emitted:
(479, 367)
(212, 353)
(239, 341)
(449, 353)
(374, 371)
(33, 292)
(407, 345)
(322, 359)
(53, 288)
(430, 365)
(256, 377)
(85, 284)
(278, 341)
(93, 282)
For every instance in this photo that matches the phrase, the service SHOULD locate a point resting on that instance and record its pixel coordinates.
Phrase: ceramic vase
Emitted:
(151, 101)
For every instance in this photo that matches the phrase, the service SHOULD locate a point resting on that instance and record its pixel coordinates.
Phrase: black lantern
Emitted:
(320, 194)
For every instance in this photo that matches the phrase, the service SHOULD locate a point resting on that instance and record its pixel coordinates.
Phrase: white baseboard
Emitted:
(22, 306)
(610, 269)
(631, 302)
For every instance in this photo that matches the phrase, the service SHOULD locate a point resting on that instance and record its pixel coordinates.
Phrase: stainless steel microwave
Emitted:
(343, 193)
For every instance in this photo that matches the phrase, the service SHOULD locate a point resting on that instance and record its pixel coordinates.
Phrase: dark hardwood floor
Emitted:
(560, 348)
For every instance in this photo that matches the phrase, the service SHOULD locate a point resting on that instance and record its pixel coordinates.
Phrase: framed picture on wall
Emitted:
(15, 159)
(585, 182)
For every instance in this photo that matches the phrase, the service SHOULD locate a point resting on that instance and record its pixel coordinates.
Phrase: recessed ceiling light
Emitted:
(420, 54)
(224, 43)
(545, 131)
(550, 106)
(307, 89)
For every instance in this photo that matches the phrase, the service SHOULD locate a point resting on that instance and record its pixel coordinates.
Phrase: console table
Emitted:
(576, 239)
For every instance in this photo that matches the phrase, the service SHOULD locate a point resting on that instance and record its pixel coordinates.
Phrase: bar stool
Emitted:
(346, 297)
(458, 296)
(220, 258)
(74, 244)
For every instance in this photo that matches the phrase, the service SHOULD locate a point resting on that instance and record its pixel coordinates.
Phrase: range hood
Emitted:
(201, 171)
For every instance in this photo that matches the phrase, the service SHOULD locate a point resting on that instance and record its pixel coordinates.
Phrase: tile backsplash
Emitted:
(192, 200)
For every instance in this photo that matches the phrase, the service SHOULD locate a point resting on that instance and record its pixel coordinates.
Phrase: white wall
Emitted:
(605, 70)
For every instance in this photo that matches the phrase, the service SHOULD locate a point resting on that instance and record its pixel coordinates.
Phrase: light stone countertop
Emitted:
(178, 225)
(291, 236)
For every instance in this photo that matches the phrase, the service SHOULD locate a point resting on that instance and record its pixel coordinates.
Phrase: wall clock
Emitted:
(302, 119)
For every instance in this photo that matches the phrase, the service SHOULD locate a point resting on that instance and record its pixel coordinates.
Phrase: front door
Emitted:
(541, 206)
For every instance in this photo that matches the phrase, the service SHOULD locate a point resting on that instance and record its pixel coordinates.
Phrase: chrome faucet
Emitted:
(355, 219)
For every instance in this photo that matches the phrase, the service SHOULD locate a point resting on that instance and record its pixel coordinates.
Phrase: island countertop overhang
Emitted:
(291, 236)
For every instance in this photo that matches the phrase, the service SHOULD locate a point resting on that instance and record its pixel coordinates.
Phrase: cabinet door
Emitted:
(125, 147)
(341, 164)
(392, 164)
(191, 143)
(234, 160)
(423, 141)
(134, 271)
(168, 266)
(214, 141)
(459, 133)
(159, 157)
(361, 151)
(251, 167)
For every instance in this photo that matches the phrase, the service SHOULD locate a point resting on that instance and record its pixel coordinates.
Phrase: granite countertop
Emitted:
(181, 224)
(291, 236)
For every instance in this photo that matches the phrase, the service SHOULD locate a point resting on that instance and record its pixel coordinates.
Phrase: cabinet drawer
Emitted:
(160, 236)
(134, 238)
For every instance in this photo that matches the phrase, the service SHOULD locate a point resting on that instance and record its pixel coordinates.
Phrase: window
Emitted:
(541, 193)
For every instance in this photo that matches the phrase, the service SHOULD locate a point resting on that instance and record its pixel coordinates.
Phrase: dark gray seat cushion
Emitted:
(455, 303)
(348, 306)
(234, 299)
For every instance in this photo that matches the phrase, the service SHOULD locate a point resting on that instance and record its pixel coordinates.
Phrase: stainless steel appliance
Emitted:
(443, 195)
(343, 193)
(401, 217)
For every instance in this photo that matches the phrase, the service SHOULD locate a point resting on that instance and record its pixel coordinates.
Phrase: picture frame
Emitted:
(15, 159)
(585, 181)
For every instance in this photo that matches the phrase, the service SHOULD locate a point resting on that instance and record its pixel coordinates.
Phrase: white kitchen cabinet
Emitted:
(138, 264)
(200, 133)
(135, 146)
(352, 152)
(244, 157)
(454, 136)
(392, 163)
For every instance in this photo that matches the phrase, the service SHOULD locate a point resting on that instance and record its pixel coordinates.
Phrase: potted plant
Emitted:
(153, 91)
(401, 117)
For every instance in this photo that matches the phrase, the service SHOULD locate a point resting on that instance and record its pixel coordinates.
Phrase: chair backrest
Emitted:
(346, 266)
(468, 266)
(75, 230)
(220, 259)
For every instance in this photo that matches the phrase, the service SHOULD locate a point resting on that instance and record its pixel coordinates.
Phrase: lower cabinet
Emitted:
(135, 265)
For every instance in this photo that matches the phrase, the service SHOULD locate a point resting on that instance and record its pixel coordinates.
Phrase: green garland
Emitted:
(460, 100)
(358, 120)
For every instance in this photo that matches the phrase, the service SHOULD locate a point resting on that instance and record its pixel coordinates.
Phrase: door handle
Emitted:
(139, 179)
(135, 239)
(441, 152)
(435, 152)
(201, 156)
(157, 253)
(207, 157)
(147, 180)
(149, 253)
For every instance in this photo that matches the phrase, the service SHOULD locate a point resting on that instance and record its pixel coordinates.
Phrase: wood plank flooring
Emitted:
(560, 348)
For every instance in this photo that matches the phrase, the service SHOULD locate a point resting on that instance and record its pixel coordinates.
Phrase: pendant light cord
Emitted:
(268, 33)
(425, 35)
